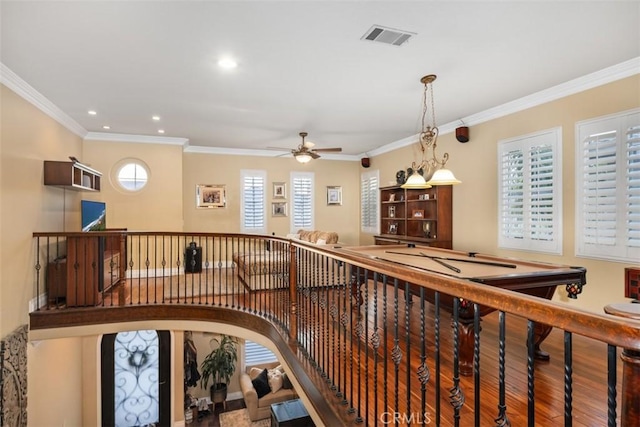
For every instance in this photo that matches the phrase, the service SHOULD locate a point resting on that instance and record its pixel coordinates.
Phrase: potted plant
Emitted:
(219, 366)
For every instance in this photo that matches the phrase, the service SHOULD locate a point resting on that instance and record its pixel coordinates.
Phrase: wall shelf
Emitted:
(71, 175)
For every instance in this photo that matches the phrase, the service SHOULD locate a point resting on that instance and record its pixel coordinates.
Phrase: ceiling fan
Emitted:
(305, 152)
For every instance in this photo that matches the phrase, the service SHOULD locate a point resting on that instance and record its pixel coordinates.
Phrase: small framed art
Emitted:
(279, 209)
(393, 228)
(334, 195)
(279, 190)
(210, 196)
(417, 213)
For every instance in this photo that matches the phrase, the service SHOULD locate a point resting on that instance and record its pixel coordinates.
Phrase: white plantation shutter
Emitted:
(530, 204)
(608, 187)
(302, 196)
(633, 186)
(369, 206)
(255, 354)
(253, 200)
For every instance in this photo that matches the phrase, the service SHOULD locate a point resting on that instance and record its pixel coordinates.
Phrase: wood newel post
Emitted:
(630, 415)
(293, 294)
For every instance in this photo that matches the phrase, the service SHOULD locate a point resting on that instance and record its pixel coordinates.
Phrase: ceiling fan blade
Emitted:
(326, 150)
(314, 155)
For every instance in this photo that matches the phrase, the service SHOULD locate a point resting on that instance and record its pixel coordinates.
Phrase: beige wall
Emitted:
(217, 169)
(27, 138)
(475, 205)
(158, 206)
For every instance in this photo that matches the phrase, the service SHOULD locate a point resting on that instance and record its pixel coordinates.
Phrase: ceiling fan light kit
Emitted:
(305, 151)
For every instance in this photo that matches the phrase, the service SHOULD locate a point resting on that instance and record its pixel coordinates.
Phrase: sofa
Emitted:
(268, 268)
(260, 407)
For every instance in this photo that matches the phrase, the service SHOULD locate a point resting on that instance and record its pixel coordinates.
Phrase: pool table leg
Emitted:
(540, 333)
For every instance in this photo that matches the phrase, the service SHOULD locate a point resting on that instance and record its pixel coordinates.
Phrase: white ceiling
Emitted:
(302, 65)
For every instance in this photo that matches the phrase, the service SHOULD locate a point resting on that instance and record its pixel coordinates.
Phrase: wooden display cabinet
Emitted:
(421, 216)
(71, 175)
(94, 266)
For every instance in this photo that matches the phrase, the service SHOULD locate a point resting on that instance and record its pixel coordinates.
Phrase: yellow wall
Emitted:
(217, 169)
(475, 204)
(27, 138)
(158, 206)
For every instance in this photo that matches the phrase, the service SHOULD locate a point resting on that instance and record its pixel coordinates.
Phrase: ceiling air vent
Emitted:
(385, 35)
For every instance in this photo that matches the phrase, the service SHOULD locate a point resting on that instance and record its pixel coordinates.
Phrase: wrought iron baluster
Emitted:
(531, 405)
(612, 379)
(568, 379)
(476, 362)
(436, 327)
(502, 420)
(396, 353)
(456, 395)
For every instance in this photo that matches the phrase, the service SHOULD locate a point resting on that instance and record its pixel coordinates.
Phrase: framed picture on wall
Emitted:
(279, 209)
(279, 190)
(334, 195)
(210, 196)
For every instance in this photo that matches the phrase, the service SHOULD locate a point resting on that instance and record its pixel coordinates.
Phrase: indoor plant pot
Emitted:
(219, 366)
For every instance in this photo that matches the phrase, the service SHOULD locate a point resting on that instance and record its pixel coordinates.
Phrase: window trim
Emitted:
(255, 173)
(117, 168)
(591, 127)
(375, 203)
(297, 175)
(552, 137)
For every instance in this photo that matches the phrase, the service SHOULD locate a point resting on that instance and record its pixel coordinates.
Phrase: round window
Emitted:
(132, 175)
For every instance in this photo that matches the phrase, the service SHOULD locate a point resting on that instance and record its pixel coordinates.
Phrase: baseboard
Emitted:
(40, 301)
(166, 272)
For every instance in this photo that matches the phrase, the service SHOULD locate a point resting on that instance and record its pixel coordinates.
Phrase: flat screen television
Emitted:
(94, 215)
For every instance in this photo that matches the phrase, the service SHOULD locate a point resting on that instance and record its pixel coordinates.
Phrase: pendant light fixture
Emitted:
(430, 163)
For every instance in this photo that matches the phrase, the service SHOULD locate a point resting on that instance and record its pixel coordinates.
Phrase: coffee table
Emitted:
(290, 413)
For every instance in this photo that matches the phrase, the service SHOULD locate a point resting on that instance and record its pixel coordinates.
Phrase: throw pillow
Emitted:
(286, 382)
(254, 372)
(275, 380)
(261, 384)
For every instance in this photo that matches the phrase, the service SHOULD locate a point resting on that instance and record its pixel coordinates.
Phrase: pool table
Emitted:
(528, 277)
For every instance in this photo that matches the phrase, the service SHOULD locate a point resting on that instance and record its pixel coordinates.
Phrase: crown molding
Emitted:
(598, 78)
(610, 74)
(260, 153)
(141, 139)
(28, 93)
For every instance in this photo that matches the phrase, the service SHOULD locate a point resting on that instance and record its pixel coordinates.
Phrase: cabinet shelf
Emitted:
(432, 224)
(71, 175)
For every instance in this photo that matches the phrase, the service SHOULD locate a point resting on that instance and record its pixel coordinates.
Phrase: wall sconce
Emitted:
(433, 167)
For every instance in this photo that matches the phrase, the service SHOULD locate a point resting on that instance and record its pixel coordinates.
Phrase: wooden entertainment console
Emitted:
(93, 266)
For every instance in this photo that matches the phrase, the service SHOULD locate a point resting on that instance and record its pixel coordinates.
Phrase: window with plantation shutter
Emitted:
(529, 188)
(253, 201)
(255, 354)
(369, 206)
(302, 201)
(608, 187)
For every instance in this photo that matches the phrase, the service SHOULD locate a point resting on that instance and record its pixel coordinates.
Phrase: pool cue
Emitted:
(444, 264)
(495, 264)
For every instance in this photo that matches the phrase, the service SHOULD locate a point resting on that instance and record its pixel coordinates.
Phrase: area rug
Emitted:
(240, 418)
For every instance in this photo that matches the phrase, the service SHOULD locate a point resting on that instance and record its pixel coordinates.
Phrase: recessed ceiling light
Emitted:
(160, 130)
(156, 118)
(92, 112)
(106, 127)
(227, 63)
